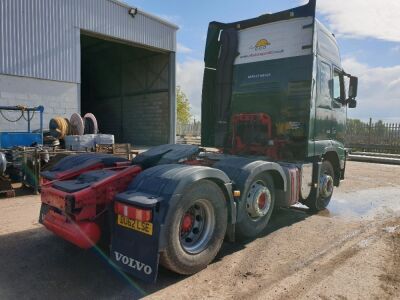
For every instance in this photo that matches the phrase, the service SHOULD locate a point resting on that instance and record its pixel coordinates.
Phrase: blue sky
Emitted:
(368, 34)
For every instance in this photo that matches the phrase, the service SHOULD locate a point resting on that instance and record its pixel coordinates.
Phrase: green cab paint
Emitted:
(286, 65)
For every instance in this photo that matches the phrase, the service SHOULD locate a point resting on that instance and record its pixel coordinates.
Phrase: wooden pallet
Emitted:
(122, 150)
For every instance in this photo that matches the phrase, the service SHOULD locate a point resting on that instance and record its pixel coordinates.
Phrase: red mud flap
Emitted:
(85, 235)
(135, 248)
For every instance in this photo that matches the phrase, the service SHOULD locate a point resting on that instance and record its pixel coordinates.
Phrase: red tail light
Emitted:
(132, 212)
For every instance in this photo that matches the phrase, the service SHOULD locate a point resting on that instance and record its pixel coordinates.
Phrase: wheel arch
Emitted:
(170, 182)
(279, 182)
(333, 157)
(243, 171)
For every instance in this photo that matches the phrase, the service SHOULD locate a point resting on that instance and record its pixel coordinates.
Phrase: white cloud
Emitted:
(183, 49)
(396, 49)
(189, 76)
(379, 91)
(363, 18)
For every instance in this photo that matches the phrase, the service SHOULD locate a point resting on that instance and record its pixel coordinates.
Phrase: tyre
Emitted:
(257, 208)
(196, 229)
(326, 186)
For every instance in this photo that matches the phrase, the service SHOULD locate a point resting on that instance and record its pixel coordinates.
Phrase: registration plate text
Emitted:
(144, 227)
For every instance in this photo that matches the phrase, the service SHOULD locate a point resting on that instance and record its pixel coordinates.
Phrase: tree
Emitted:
(183, 107)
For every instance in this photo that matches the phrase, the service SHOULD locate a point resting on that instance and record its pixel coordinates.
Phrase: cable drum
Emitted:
(91, 126)
(59, 127)
(77, 125)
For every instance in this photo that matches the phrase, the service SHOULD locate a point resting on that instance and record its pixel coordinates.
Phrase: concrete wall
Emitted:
(58, 98)
(146, 119)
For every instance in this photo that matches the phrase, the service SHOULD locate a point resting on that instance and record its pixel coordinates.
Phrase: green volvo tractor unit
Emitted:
(275, 99)
(274, 86)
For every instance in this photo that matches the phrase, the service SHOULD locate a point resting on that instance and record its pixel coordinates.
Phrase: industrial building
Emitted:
(98, 56)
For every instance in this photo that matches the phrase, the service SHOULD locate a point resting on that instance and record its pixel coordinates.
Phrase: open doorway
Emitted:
(127, 89)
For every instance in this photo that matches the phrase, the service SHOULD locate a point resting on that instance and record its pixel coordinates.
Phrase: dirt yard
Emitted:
(350, 251)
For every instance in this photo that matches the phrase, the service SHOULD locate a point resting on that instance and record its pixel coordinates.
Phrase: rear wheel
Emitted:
(257, 208)
(196, 230)
(326, 186)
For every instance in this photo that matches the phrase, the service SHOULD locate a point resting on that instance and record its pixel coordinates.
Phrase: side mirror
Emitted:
(342, 99)
(352, 103)
(353, 88)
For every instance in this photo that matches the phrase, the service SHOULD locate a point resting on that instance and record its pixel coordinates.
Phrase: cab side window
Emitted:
(336, 85)
(324, 99)
(337, 89)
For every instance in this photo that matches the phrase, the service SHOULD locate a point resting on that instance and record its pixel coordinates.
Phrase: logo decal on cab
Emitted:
(261, 45)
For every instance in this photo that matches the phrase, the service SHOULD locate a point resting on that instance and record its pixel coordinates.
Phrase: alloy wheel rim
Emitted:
(197, 227)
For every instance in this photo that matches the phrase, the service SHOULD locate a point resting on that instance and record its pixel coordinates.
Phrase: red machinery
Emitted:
(80, 190)
(252, 135)
(73, 209)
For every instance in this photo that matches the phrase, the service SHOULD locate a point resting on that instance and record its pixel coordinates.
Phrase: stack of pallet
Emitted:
(121, 150)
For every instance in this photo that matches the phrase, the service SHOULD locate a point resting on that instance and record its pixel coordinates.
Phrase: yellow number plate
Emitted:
(144, 227)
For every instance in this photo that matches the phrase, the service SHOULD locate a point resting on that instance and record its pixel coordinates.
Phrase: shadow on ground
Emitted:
(20, 191)
(35, 264)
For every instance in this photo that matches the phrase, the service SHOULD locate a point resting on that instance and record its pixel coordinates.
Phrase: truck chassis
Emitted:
(170, 204)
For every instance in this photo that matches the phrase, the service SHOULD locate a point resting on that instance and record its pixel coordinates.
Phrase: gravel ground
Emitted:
(349, 251)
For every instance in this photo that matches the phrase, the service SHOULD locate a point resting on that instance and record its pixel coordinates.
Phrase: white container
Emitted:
(105, 139)
(80, 142)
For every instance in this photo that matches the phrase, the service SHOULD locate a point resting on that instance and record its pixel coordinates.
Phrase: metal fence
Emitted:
(373, 136)
(361, 136)
(193, 129)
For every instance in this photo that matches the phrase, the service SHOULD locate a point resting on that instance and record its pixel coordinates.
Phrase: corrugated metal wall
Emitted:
(41, 38)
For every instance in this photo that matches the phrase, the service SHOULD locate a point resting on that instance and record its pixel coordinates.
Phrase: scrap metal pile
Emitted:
(77, 133)
(23, 155)
(13, 167)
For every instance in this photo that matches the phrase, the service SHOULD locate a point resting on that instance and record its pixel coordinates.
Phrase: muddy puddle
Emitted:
(365, 204)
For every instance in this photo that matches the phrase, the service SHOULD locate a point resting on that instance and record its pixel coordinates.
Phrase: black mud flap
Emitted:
(136, 252)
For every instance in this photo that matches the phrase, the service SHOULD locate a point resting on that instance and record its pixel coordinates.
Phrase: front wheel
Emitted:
(196, 229)
(326, 186)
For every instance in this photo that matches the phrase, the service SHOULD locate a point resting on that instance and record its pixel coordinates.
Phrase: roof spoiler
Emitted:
(307, 10)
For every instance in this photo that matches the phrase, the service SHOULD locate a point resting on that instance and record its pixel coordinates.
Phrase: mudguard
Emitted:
(132, 251)
(81, 163)
(242, 172)
(166, 154)
(160, 189)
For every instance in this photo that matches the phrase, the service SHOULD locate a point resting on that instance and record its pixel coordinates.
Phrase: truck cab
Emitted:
(330, 100)
(274, 86)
